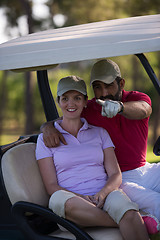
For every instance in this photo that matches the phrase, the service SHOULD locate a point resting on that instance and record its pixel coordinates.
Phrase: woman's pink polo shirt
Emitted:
(79, 164)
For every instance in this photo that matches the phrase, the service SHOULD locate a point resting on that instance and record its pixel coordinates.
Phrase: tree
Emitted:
(78, 12)
(13, 11)
(143, 7)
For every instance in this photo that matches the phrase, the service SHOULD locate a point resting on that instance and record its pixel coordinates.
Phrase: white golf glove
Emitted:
(109, 108)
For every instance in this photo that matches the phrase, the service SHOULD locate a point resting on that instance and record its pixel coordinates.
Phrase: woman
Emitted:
(83, 177)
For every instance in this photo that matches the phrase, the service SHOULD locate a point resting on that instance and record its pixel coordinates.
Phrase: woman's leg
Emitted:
(132, 226)
(125, 213)
(86, 214)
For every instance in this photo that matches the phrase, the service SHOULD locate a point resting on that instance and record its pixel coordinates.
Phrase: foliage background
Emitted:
(21, 108)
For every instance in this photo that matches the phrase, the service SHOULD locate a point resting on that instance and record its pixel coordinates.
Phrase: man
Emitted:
(125, 116)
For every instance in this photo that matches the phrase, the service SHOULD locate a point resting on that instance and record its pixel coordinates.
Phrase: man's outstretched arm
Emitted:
(131, 110)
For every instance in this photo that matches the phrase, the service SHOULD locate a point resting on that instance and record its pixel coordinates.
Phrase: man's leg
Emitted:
(147, 199)
(151, 179)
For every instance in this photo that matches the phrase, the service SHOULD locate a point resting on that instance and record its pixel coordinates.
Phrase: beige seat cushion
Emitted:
(21, 175)
(97, 233)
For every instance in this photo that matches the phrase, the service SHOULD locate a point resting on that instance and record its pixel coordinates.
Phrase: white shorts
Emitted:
(142, 185)
(116, 205)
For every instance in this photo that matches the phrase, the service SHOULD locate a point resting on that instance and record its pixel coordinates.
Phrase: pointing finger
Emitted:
(101, 102)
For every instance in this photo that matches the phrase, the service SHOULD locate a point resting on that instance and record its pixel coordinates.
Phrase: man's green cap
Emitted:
(105, 71)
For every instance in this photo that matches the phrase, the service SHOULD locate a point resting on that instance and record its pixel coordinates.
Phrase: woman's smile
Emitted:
(71, 109)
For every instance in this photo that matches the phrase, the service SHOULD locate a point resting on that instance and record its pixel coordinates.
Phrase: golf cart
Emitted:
(23, 198)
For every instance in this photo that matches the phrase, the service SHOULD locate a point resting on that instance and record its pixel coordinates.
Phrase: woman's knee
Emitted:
(117, 204)
(130, 216)
(58, 200)
(70, 205)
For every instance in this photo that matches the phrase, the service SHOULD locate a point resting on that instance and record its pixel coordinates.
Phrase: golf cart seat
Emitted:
(29, 200)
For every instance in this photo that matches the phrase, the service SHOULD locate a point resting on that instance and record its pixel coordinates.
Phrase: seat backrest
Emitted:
(21, 175)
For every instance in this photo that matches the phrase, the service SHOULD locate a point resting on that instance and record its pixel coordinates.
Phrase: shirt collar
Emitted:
(60, 129)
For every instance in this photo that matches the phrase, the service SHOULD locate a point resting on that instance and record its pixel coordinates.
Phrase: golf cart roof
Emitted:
(111, 38)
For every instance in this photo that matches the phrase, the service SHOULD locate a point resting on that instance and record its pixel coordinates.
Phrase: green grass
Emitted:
(151, 157)
(6, 139)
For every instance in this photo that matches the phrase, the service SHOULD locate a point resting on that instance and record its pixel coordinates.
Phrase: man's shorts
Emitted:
(116, 204)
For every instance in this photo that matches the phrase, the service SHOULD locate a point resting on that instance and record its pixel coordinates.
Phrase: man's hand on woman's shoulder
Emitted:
(51, 136)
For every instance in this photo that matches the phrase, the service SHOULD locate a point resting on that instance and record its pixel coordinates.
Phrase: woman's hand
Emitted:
(99, 199)
(51, 136)
(89, 198)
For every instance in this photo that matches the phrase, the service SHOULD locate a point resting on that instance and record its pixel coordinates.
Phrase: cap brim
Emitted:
(60, 93)
(107, 80)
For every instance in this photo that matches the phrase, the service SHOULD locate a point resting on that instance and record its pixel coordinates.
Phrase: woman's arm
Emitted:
(48, 173)
(49, 177)
(113, 170)
(114, 176)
